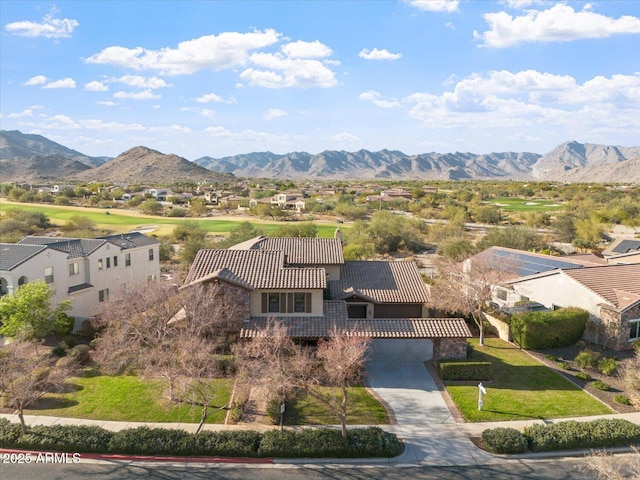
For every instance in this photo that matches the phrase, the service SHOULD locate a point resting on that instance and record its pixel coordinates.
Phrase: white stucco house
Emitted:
(87, 271)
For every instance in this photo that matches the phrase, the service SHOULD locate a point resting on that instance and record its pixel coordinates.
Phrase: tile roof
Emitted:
(380, 282)
(73, 247)
(617, 284)
(130, 240)
(13, 254)
(317, 327)
(258, 269)
(299, 251)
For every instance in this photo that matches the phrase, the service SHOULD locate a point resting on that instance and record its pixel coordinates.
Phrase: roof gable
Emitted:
(299, 250)
(13, 255)
(619, 285)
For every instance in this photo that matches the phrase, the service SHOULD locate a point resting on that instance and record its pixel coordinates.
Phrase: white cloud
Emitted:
(142, 95)
(63, 83)
(113, 127)
(280, 72)
(205, 112)
(377, 99)
(345, 137)
(211, 52)
(95, 86)
(37, 80)
(213, 97)
(107, 103)
(302, 49)
(219, 132)
(523, 3)
(560, 23)
(171, 129)
(376, 54)
(142, 82)
(435, 5)
(274, 113)
(50, 27)
(27, 112)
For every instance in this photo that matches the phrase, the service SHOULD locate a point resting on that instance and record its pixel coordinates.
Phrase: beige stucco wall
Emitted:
(316, 303)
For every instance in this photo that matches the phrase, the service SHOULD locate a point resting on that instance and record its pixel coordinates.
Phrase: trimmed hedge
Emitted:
(505, 440)
(464, 370)
(567, 435)
(316, 443)
(548, 329)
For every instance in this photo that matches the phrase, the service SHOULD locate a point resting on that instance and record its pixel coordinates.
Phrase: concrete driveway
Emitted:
(397, 373)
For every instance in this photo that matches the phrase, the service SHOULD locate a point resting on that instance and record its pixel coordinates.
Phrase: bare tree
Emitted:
(341, 363)
(465, 288)
(26, 375)
(609, 468)
(630, 374)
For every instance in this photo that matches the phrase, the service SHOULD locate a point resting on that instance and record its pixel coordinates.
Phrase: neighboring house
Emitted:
(160, 194)
(610, 293)
(87, 271)
(307, 285)
(289, 201)
(622, 251)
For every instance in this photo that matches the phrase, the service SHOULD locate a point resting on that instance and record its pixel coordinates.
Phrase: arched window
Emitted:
(22, 281)
(4, 286)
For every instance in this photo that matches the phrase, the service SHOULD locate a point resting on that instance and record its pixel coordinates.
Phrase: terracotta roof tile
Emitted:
(380, 282)
(618, 284)
(299, 251)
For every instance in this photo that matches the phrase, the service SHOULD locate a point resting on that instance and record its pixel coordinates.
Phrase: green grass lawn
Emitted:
(126, 398)
(522, 389)
(119, 221)
(363, 409)
(510, 204)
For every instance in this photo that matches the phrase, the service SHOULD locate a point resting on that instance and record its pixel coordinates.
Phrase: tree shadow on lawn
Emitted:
(53, 403)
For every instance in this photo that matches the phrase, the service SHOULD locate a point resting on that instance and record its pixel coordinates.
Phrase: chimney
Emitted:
(338, 234)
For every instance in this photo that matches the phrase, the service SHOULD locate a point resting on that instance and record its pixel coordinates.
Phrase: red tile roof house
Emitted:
(610, 293)
(307, 285)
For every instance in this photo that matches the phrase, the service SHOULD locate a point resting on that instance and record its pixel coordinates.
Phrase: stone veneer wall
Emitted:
(617, 326)
(449, 348)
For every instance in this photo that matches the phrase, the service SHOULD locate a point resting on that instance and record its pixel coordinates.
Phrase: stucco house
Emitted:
(87, 271)
(307, 285)
(610, 293)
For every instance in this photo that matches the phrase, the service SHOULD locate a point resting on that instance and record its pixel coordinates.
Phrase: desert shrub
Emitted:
(587, 359)
(464, 370)
(583, 376)
(64, 438)
(623, 399)
(152, 441)
(571, 434)
(59, 350)
(608, 365)
(551, 357)
(226, 364)
(548, 329)
(504, 440)
(564, 365)
(600, 385)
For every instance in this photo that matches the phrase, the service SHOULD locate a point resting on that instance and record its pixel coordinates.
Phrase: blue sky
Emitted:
(224, 78)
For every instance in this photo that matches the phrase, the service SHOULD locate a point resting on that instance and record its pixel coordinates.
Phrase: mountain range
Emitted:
(33, 157)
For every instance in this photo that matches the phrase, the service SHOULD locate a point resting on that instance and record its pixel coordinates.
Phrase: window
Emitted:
(48, 274)
(22, 281)
(291, 302)
(150, 254)
(115, 261)
(501, 294)
(100, 264)
(74, 268)
(4, 286)
(127, 259)
(108, 262)
(103, 295)
(634, 329)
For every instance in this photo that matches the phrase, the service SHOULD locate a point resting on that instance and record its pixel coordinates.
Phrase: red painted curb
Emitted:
(154, 458)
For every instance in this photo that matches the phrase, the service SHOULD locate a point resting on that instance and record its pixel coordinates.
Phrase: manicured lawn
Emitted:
(363, 409)
(510, 204)
(126, 398)
(522, 389)
(122, 221)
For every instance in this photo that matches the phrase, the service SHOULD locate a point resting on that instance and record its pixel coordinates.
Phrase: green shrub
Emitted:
(464, 370)
(571, 434)
(59, 351)
(504, 440)
(317, 443)
(9, 432)
(583, 376)
(64, 438)
(229, 443)
(608, 365)
(551, 357)
(564, 365)
(600, 385)
(152, 441)
(64, 324)
(587, 359)
(273, 410)
(548, 329)
(623, 399)
(226, 364)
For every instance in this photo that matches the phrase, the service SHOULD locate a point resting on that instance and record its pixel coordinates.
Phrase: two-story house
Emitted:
(87, 271)
(306, 284)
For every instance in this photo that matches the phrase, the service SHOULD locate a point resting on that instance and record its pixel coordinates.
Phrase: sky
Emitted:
(221, 78)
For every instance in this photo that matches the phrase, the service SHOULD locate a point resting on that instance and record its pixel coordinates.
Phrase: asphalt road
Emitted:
(560, 469)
